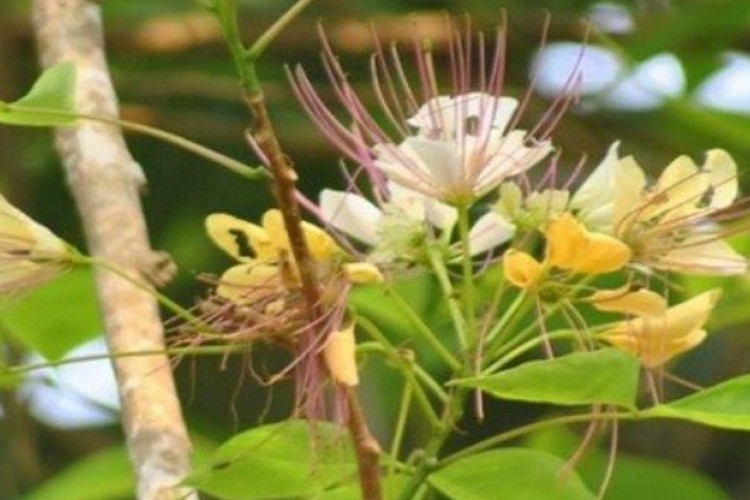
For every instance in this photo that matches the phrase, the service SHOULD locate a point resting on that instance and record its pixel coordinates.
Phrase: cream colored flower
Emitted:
(671, 225)
(657, 333)
(30, 254)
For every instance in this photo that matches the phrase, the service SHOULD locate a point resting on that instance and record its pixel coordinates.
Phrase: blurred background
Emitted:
(664, 77)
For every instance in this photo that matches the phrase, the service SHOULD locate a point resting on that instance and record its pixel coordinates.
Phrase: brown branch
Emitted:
(366, 448)
(105, 181)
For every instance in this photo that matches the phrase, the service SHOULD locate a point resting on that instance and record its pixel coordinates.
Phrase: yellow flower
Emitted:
(569, 247)
(673, 224)
(265, 255)
(339, 355)
(521, 269)
(30, 254)
(657, 333)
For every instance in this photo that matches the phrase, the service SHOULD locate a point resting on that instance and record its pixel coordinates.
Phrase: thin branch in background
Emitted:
(105, 181)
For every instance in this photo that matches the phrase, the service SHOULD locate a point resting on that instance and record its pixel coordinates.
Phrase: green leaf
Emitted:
(284, 460)
(510, 474)
(605, 376)
(105, 475)
(49, 103)
(726, 405)
(352, 491)
(634, 476)
(56, 317)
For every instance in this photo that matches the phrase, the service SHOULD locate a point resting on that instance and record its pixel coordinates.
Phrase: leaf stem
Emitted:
(211, 155)
(193, 350)
(520, 431)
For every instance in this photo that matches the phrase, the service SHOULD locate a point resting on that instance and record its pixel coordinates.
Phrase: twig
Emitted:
(284, 188)
(105, 182)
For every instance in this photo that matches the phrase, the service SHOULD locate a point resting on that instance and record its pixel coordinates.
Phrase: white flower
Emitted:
(399, 227)
(462, 148)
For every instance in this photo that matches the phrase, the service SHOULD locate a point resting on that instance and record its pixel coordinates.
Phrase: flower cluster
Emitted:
(446, 183)
(460, 155)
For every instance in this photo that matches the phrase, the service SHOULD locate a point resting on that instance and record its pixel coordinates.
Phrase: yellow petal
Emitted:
(602, 254)
(240, 282)
(339, 354)
(273, 224)
(566, 239)
(321, 245)
(571, 247)
(691, 314)
(680, 188)
(240, 239)
(722, 171)
(654, 352)
(362, 273)
(657, 339)
(521, 269)
(641, 302)
(630, 181)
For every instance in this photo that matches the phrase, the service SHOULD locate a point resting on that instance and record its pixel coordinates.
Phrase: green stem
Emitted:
(502, 328)
(263, 41)
(165, 301)
(467, 269)
(244, 59)
(193, 350)
(404, 367)
(520, 431)
(527, 346)
(452, 413)
(169, 137)
(398, 433)
(424, 331)
(459, 322)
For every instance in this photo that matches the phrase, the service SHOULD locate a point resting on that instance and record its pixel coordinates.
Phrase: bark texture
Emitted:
(105, 181)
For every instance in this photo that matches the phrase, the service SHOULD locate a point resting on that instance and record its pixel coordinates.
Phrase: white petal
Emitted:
(489, 231)
(715, 257)
(420, 207)
(433, 114)
(441, 159)
(411, 202)
(440, 215)
(351, 214)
